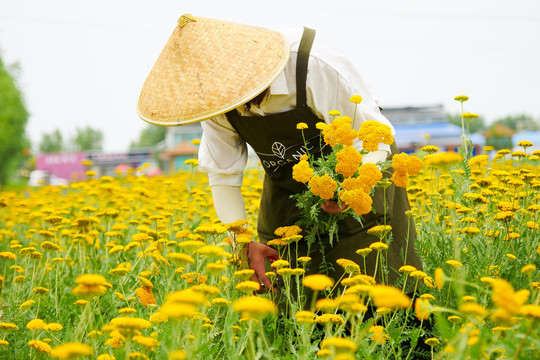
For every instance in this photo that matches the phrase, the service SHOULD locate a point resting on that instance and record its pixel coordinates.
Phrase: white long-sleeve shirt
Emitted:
(331, 81)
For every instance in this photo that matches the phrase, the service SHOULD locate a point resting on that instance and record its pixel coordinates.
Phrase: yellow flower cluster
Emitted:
(91, 285)
(254, 307)
(359, 201)
(404, 166)
(302, 172)
(372, 133)
(339, 132)
(323, 186)
(348, 161)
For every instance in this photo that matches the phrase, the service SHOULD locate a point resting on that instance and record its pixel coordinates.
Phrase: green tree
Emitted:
(51, 142)
(150, 136)
(519, 122)
(87, 139)
(13, 118)
(475, 125)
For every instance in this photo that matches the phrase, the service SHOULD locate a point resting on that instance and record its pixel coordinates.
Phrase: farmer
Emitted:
(252, 86)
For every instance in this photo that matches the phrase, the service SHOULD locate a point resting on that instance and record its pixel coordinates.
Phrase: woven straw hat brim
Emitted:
(209, 67)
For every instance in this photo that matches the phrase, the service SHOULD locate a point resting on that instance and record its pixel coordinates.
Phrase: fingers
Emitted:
(261, 278)
(332, 207)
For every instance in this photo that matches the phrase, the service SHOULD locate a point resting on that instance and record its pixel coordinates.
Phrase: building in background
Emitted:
(178, 146)
(63, 168)
(426, 125)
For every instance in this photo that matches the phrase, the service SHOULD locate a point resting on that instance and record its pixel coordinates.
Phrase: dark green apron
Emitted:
(279, 145)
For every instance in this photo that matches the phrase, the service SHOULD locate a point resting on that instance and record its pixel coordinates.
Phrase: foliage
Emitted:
(499, 141)
(475, 126)
(87, 138)
(139, 268)
(51, 142)
(13, 118)
(519, 122)
(150, 136)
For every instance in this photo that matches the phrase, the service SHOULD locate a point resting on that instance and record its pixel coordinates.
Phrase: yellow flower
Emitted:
(378, 246)
(461, 98)
(40, 346)
(431, 149)
(193, 162)
(338, 132)
(469, 116)
(182, 303)
(405, 166)
(380, 230)
(146, 341)
(302, 172)
(364, 252)
(378, 334)
(390, 297)
(454, 263)
(528, 269)
(305, 317)
(334, 113)
(36, 324)
(439, 278)
(372, 133)
(531, 311)
(158, 317)
(407, 269)
(301, 126)
(329, 319)
(323, 186)
(349, 266)
(339, 344)
(54, 327)
(280, 263)
(357, 99)
(145, 295)
(8, 326)
(418, 274)
(71, 350)
(359, 201)
(525, 144)
(129, 324)
(90, 285)
(254, 307)
(40, 290)
(178, 355)
(317, 282)
(248, 286)
(472, 308)
(211, 250)
(348, 161)
(27, 304)
(244, 274)
(432, 342)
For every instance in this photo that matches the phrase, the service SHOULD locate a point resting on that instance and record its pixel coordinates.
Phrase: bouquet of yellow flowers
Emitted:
(340, 177)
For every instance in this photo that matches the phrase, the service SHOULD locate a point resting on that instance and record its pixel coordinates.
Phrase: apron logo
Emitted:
(279, 149)
(286, 155)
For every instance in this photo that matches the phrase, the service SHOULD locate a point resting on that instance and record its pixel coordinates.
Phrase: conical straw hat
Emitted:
(209, 67)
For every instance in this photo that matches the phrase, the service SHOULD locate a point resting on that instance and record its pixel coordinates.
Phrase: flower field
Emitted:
(140, 268)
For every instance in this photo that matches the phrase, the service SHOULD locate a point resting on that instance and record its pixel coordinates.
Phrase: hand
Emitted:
(257, 253)
(332, 207)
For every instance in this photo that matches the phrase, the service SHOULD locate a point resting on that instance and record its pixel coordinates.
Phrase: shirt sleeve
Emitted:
(338, 74)
(223, 153)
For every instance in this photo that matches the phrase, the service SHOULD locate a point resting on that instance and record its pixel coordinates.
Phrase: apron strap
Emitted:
(302, 65)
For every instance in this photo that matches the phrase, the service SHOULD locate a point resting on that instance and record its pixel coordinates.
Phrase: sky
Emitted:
(83, 63)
